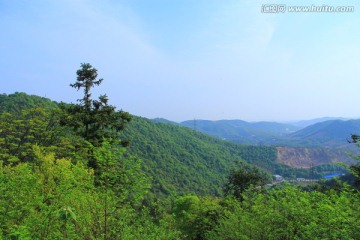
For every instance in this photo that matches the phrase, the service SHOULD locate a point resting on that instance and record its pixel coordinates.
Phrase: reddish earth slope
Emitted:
(306, 157)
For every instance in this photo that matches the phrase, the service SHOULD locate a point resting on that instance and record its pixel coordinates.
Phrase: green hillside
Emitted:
(17, 101)
(182, 160)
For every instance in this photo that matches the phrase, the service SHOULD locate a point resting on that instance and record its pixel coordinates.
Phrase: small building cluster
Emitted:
(278, 178)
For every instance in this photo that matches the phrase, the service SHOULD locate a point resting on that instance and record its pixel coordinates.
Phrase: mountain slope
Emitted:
(17, 101)
(333, 133)
(243, 132)
(308, 157)
(182, 160)
(163, 120)
(306, 123)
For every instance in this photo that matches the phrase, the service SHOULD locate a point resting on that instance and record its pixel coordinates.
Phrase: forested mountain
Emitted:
(323, 133)
(173, 191)
(163, 120)
(17, 101)
(333, 133)
(300, 149)
(238, 131)
(183, 160)
(306, 123)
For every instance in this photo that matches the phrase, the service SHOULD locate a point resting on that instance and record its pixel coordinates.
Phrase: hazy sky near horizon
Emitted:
(186, 59)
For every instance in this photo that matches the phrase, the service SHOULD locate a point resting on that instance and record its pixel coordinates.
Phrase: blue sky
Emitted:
(186, 59)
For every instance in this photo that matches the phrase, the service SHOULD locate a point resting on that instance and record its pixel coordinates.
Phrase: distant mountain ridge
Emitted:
(332, 133)
(242, 132)
(324, 132)
(306, 123)
(163, 120)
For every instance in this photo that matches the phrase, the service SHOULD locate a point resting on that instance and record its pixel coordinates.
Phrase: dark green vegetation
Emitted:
(77, 181)
(244, 177)
(183, 161)
(93, 119)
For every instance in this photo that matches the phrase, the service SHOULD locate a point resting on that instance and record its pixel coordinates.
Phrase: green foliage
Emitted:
(86, 78)
(39, 191)
(57, 199)
(355, 168)
(34, 126)
(179, 160)
(120, 173)
(93, 119)
(289, 213)
(18, 101)
(243, 178)
(184, 161)
(196, 216)
(167, 139)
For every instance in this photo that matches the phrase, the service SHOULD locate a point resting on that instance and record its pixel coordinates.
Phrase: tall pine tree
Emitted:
(94, 120)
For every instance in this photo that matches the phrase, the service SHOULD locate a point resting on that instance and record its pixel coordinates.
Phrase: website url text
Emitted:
(282, 8)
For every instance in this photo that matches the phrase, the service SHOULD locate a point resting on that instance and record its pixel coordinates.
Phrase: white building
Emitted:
(278, 178)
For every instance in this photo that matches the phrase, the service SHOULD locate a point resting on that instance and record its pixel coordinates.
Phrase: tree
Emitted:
(244, 177)
(35, 196)
(355, 168)
(94, 120)
(19, 132)
(196, 216)
(287, 212)
(86, 78)
(121, 184)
